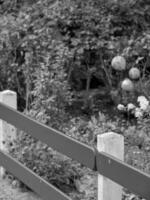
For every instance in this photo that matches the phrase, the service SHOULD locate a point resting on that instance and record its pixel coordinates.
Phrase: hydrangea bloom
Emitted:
(121, 107)
(143, 102)
(138, 113)
(130, 106)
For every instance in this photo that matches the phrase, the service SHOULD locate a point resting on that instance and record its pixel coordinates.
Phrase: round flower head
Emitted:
(143, 102)
(130, 106)
(121, 107)
(138, 113)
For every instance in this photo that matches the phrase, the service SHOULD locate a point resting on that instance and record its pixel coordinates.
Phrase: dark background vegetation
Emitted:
(57, 56)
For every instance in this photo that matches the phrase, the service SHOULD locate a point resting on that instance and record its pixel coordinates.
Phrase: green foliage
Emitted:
(57, 56)
(86, 34)
(86, 130)
(47, 163)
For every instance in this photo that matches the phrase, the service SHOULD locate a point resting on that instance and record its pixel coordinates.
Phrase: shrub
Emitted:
(57, 169)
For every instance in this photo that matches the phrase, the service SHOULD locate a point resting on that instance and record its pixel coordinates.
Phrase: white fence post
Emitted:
(7, 131)
(113, 144)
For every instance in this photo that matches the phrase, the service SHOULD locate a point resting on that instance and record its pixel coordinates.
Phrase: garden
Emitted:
(83, 68)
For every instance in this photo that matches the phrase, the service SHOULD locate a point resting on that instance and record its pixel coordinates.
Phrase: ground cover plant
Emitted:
(81, 67)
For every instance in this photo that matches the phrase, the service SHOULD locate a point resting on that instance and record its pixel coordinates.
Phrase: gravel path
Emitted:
(7, 192)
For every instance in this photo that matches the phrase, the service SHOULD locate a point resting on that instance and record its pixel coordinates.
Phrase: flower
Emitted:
(143, 102)
(130, 106)
(121, 107)
(138, 113)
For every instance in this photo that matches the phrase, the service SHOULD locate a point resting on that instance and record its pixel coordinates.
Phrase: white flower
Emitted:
(143, 102)
(121, 107)
(138, 113)
(130, 106)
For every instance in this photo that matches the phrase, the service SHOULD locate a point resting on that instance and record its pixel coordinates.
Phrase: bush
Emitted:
(57, 169)
(77, 38)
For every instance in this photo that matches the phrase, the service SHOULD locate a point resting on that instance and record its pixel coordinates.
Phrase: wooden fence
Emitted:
(106, 159)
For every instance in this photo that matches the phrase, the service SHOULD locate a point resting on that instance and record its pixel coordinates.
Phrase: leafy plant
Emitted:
(47, 163)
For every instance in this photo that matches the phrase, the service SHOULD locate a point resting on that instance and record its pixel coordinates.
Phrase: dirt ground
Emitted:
(7, 192)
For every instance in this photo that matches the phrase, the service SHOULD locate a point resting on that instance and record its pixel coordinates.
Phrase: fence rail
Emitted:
(107, 165)
(32, 180)
(124, 174)
(53, 138)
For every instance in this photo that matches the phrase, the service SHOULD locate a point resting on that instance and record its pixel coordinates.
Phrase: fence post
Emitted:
(7, 131)
(113, 144)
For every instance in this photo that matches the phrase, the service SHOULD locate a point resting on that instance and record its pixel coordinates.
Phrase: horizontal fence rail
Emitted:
(123, 174)
(39, 185)
(108, 166)
(55, 139)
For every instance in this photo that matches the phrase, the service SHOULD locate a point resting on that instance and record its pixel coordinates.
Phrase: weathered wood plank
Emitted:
(32, 180)
(108, 166)
(53, 138)
(123, 174)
